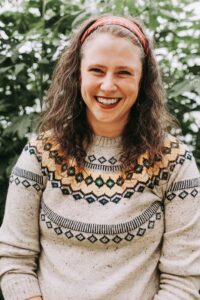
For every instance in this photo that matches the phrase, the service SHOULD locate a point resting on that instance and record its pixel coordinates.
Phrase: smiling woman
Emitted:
(104, 203)
(111, 71)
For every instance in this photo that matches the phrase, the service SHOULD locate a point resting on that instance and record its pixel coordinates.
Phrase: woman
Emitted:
(104, 203)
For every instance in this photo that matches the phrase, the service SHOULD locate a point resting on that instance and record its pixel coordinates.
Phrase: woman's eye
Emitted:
(96, 70)
(124, 72)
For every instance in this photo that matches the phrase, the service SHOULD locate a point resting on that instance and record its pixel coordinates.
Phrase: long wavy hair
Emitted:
(65, 111)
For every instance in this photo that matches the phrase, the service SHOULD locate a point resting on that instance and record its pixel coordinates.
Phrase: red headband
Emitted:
(113, 20)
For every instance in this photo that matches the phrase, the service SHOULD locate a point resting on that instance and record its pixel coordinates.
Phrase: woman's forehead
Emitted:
(105, 48)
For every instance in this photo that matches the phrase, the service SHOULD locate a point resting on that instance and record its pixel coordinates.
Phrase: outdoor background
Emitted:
(34, 32)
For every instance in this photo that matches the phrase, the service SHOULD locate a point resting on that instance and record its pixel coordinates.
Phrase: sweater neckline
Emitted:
(103, 141)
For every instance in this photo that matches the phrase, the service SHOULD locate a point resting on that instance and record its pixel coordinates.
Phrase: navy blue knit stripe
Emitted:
(27, 174)
(101, 228)
(185, 184)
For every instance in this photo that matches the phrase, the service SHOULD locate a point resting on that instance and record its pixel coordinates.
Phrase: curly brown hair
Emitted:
(148, 119)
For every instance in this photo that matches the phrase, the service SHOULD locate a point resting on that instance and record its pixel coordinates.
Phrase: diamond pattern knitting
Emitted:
(100, 232)
(97, 182)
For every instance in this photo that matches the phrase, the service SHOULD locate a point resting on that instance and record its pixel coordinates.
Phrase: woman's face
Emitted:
(111, 69)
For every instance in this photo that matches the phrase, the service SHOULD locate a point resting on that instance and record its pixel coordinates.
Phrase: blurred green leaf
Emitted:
(5, 69)
(180, 88)
(19, 68)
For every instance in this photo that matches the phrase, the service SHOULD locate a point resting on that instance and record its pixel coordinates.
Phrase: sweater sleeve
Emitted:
(180, 257)
(19, 234)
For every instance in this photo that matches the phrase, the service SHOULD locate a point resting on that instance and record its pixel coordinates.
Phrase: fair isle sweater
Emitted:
(97, 233)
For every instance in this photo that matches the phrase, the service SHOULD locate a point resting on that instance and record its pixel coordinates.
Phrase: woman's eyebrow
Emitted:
(117, 67)
(125, 67)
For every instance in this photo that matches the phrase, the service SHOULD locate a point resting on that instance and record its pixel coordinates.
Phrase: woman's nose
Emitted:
(108, 83)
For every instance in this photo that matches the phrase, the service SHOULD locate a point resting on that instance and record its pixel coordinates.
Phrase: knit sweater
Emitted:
(100, 233)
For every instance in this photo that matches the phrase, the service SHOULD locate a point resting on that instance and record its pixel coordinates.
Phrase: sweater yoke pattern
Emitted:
(102, 181)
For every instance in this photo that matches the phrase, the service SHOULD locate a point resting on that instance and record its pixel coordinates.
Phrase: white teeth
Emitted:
(107, 101)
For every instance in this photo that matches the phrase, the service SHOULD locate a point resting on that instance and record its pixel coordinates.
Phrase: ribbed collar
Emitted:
(103, 141)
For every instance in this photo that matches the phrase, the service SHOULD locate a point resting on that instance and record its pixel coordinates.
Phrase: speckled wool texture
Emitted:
(99, 233)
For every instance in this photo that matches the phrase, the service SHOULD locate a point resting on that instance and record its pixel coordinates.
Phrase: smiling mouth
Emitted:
(109, 102)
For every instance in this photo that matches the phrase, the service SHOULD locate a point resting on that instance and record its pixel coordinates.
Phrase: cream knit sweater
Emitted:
(97, 234)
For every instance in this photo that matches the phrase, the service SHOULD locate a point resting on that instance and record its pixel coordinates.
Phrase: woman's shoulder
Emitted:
(47, 149)
(41, 139)
(169, 160)
(41, 142)
(174, 152)
(173, 145)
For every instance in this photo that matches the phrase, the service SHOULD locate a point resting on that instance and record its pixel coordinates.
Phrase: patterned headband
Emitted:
(113, 20)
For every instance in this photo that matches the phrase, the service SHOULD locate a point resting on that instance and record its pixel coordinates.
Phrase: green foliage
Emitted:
(175, 32)
(32, 38)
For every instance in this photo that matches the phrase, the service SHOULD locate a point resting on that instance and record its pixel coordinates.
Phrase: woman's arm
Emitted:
(180, 258)
(19, 234)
